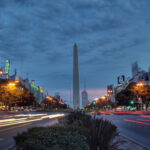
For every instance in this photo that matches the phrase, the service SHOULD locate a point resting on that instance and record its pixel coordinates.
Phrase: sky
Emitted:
(38, 37)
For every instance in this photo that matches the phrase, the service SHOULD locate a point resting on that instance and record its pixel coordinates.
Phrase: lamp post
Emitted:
(11, 85)
(138, 88)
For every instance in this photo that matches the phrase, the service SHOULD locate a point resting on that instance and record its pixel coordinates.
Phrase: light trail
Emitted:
(19, 122)
(13, 121)
(143, 120)
(138, 122)
(144, 116)
(30, 115)
(53, 116)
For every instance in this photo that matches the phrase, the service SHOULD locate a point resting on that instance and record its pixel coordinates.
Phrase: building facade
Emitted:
(135, 68)
(84, 98)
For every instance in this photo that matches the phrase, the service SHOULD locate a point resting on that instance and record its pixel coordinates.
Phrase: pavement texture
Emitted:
(134, 127)
(130, 145)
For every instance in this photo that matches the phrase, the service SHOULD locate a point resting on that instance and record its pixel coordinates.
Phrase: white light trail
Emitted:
(13, 121)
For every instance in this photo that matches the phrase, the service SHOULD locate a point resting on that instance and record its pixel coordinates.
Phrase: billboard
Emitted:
(41, 89)
(121, 79)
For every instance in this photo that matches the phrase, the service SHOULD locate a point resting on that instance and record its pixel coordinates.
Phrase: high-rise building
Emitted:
(84, 96)
(76, 96)
(135, 68)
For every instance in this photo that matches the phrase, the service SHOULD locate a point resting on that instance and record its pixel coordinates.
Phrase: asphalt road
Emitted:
(9, 127)
(135, 127)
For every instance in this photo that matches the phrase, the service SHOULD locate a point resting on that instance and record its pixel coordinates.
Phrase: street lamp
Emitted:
(1, 72)
(103, 97)
(138, 87)
(11, 84)
(17, 81)
(140, 84)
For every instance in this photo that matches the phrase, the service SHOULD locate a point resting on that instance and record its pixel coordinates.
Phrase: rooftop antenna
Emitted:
(84, 85)
(15, 71)
(27, 74)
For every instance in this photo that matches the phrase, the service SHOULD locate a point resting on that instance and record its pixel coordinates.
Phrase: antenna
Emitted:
(84, 84)
(15, 71)
(27, 74)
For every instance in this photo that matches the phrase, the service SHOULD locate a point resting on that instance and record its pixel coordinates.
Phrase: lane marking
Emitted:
(14, 127)
(137, 122)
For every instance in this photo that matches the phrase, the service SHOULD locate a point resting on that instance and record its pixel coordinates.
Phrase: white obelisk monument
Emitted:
(76, 97)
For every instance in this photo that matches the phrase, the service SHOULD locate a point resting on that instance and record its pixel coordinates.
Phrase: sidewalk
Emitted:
(130, 144)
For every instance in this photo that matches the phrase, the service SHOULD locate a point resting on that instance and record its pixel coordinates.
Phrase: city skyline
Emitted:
(38, 39)
(75, 74)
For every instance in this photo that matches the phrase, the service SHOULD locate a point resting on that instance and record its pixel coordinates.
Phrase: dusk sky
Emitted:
(38, 37)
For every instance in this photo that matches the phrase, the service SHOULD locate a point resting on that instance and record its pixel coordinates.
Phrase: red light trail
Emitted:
(145, 116)
(143, 120)
(144, 123)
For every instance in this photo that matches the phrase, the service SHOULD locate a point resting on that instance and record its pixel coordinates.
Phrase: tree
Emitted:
(132, 92)
(9, 94)
(12, 93)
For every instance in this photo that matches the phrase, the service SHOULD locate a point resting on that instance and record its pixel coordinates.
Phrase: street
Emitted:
(12, 124)
(134, 127)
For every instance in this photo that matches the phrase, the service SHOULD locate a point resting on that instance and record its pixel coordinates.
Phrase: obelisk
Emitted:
(76, 97)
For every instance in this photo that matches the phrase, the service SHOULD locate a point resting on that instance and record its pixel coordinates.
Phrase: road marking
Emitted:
(14, 127)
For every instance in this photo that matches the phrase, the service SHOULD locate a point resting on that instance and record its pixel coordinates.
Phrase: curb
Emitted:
(138, 143)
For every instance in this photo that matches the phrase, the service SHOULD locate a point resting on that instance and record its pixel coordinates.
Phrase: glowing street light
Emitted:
(17, 81)
(103, 97)
(96, 99)
(140, 84)
(11, 84)
(1, 72)
(139, 87)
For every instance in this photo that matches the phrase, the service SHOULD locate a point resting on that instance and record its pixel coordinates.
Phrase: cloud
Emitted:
(40, 35)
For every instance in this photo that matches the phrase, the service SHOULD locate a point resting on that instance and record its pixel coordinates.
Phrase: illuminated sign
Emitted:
(121, 79)
(41, 89)
(7, 66)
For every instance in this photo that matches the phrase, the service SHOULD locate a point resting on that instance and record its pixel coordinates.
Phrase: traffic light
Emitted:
(131, 102)
(94, 103)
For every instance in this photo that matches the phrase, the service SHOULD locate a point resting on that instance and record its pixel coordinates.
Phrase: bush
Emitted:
(77, 131)
(52, 138)
(101, 133)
